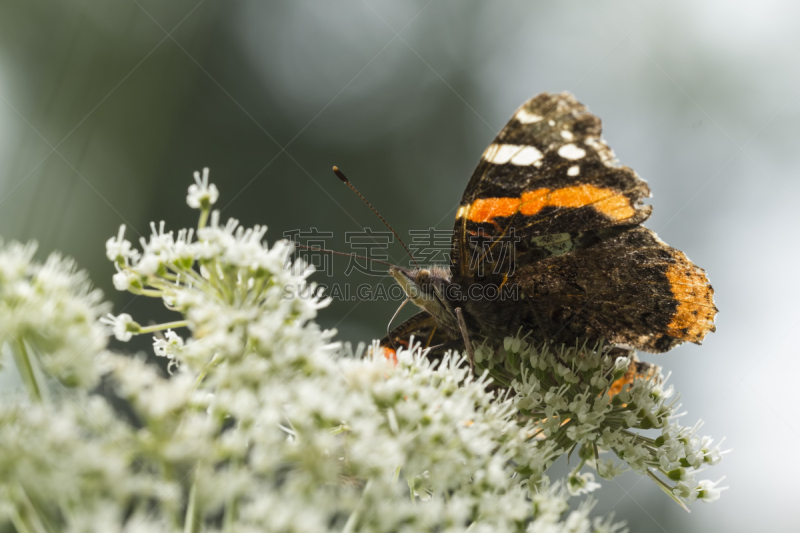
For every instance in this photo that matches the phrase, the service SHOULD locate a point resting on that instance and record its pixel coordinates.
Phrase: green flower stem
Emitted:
(204, 372)
(352, 520)
(25, 368)
(667, 489)
(229, 525)
(187, 273)
(203, 217)
(192, 520)
(219, 284)
(577, 469)
(231, 507)
(150, 293)
(166, 325)
(29, 519)
(20, 524)
(172, 278)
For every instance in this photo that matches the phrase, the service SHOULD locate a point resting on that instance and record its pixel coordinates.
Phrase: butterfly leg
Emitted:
(467, 344)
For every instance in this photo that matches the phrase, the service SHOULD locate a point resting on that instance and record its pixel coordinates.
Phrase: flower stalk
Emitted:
(26, 372)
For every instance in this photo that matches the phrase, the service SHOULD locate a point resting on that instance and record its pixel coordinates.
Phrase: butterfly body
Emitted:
(439, 296)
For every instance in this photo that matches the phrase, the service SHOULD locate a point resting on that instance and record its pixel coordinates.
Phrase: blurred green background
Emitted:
(107, 107)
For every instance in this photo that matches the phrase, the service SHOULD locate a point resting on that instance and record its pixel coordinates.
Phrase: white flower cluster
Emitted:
(73, 467)
(584, 398)
(265, 425)
(48, 319)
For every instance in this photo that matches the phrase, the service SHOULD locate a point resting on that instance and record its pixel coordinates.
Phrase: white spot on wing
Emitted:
(551, 122)
(570, 151)
(500, 153)
(527, 156)
(490, 154)
(574, 170)
(515, 154)
(605, 153)
(527, 118)
(462, 211)
(567, 135)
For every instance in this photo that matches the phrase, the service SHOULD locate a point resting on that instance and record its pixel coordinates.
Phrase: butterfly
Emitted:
(548, 239)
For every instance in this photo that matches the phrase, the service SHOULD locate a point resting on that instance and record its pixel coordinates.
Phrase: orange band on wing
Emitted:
(486, 209)
(611, 203)
(694, 316)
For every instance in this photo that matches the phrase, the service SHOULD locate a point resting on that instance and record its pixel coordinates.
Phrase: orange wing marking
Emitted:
(390, 355)
(611, 203)
(694, 316)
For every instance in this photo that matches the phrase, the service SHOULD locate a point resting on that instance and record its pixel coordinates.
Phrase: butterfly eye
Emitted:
(423, 277)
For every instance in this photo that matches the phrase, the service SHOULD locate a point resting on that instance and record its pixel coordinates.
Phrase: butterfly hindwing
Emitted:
(631, 289)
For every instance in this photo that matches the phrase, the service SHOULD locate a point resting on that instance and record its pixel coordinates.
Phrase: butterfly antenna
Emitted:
(346, 181)
(318, 249)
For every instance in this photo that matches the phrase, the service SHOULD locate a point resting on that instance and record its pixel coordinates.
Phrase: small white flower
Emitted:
(599, 382)
(607, 469)
(686, 491)
(710, 455)
(621, 364)
(120, 249)
(125, 280)
(169, 346)
(707, 490)
(201, 194)
(162, 242)
(149, 264)
(123, 326)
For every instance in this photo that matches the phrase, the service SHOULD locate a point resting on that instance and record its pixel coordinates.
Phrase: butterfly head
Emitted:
(429, 289)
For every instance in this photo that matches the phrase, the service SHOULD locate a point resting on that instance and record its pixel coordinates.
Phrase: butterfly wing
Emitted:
(631, 289)
(547, 183)
(549, 208)
(423, 328)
